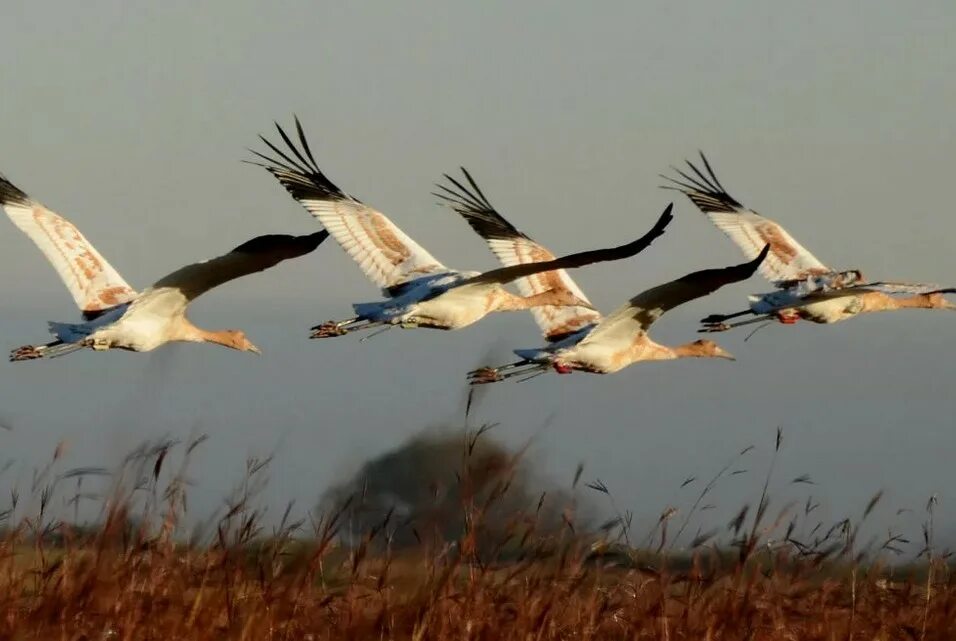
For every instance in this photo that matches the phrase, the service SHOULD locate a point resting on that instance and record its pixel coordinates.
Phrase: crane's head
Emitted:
(709, 349)
(237, 339)
(932, 300)
(937, 300)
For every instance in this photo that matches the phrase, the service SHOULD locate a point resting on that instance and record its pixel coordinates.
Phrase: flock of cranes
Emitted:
(420, 292)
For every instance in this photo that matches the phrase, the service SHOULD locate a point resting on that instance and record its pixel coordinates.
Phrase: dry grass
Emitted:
(137, 578)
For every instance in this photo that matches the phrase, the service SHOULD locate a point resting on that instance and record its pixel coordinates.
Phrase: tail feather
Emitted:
(534, 354)
(377, 312)
(70, 332)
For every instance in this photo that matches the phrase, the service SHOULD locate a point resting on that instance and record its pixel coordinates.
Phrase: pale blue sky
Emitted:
(834, 118)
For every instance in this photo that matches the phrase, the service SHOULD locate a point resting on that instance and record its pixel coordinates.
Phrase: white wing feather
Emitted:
(93, 283)
(384, 252)
(788, 259)
(513, 247)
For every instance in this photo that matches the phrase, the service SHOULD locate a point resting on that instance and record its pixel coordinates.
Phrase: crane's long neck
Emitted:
(912, 302)
(645, 349)
(651, 351)
(880, 302)
(186, 331)
(700, 349)
(224, 338)
(687, 350)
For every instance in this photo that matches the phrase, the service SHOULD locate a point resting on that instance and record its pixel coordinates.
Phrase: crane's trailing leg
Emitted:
(484, 375)
(341, 328)
(716, 319)
(716, 322)
(50, 350)
(710, 327)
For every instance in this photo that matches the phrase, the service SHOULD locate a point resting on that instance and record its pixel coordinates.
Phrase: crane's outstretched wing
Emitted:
(93, 283)
(383, 251)
(788, 260)
(634, 317)
(253, 256)
(504, 275)
(513, 247)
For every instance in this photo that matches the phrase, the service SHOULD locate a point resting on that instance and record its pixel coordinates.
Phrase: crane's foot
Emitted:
(26, 353)
(709, 328)
(327, 329)
(484, 375)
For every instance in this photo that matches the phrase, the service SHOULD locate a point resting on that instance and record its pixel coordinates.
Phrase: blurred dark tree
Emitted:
(450, 486)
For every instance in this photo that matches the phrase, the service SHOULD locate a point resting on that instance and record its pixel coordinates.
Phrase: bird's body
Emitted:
(607, 357)
(604, 357)
(115, 316)
(621, 339)
(822, 312)
(155, 318)
(445, 307)
(806, 288)
(422, 292)
(838, 305)
(581, 339)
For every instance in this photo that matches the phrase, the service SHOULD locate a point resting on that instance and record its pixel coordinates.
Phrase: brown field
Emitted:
(514, 576)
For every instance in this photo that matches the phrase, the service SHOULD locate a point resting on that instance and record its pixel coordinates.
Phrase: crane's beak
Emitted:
(722, 353)
(948, 305)
(255, 350)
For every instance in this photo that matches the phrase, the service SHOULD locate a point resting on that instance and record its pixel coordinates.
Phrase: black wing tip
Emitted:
(744, 271)
(11, 194)
(665, 219)
(298, 173)
(703, 188)
(317, 237)
(717, 277)
(470, 203)
(623, 251)
(666, 216)
(272, 242)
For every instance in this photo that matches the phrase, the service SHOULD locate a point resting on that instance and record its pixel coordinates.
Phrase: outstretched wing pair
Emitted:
(97, 287)
(514, 247)
(388, 256)
(789, 265)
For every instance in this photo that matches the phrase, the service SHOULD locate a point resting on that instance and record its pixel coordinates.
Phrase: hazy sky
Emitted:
(835, 118)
